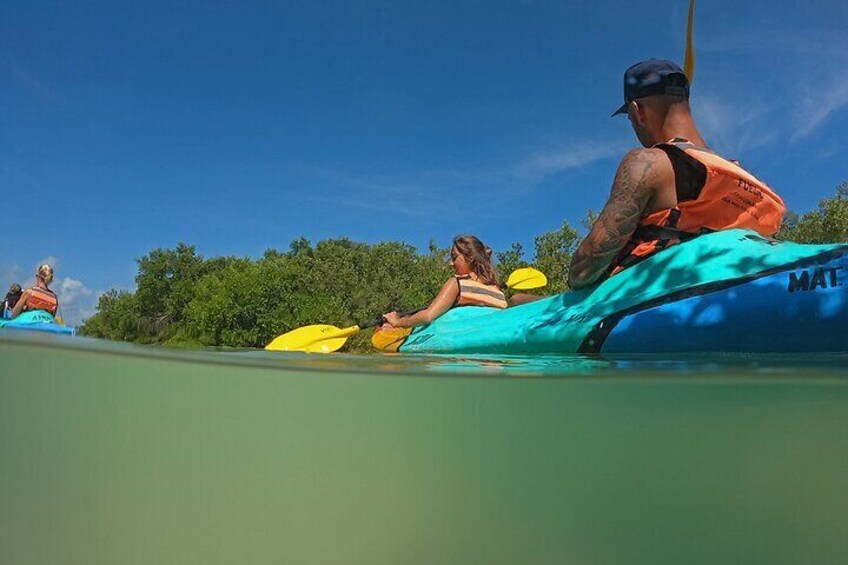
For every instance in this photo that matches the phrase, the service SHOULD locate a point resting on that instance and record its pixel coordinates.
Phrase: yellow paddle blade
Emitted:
(59, 320)
(526, 278)
(689, 57)
(320, 338)
(389, 340)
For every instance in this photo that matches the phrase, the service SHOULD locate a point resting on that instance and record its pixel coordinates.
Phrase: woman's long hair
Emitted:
(479, 258)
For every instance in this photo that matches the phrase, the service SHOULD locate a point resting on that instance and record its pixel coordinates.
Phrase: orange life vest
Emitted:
(475, 293)
(730, 198)
(41, 299)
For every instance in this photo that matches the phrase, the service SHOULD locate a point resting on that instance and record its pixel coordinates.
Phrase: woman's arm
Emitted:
(441, 304)
(19, 307)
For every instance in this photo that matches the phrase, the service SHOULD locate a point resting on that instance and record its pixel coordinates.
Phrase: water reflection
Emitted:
(476, 365)
(566, 366)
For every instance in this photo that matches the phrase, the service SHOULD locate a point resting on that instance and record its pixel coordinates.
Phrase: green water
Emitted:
(111, 453)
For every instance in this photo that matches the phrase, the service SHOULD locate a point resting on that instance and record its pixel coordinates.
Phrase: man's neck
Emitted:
(680, 124)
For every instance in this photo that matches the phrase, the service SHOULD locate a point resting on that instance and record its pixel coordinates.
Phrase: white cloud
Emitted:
(76, 301)
(72, 290)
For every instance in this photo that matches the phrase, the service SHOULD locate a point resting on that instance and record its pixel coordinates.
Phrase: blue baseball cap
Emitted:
(653, 78)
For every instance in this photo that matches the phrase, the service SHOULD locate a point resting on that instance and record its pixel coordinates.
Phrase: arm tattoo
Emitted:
(632, 189)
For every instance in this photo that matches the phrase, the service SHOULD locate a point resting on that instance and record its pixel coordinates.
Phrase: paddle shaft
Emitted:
(347, 332)
(380, 319)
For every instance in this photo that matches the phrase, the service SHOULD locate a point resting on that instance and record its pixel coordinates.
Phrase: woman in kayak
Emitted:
(475, 284)
(39, 297)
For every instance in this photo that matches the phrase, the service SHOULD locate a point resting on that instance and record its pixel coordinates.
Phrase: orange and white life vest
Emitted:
(730, 197)
(41, 299)
(475, 293)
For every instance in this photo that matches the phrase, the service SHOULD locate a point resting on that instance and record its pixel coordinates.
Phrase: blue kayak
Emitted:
(731, 291)
(36, 320)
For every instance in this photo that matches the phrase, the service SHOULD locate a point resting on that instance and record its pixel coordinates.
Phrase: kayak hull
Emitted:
(759, 316)
(731, 291)
(36, 321)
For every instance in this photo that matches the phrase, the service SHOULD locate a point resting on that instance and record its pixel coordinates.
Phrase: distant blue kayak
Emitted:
(731, 291)
(38, 321)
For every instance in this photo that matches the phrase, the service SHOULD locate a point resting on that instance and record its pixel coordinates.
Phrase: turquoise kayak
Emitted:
(731, 291)
(36, 320)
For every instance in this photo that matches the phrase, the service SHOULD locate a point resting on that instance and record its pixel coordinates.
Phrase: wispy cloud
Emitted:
(828, 151)
(818, 102)
(819, 43)
(420, 195)
(567, 157)
(22, 78)
(810, 86)
(733, 126)
(450, 193)
(29, 81)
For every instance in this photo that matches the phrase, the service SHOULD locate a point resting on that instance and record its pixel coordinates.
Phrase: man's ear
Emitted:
(637, 110)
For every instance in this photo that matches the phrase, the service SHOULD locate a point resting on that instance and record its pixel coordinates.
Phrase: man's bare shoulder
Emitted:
(650, 162)
(645, 171)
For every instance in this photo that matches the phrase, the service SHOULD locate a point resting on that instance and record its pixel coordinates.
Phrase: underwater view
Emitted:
(117, 453)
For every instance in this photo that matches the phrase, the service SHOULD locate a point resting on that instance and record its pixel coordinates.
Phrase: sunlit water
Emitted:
(112, 453)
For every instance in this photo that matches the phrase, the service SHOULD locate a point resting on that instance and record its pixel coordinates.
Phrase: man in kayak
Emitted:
(674, 188)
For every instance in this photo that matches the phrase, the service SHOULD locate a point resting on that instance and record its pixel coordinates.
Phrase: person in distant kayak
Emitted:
(11, 299)
(475, 284)
(39, 297)
(673, 189)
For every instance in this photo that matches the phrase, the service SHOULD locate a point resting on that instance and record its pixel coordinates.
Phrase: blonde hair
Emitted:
(45, 273)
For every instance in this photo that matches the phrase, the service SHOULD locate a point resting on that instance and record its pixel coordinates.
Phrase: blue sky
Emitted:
(239, 126)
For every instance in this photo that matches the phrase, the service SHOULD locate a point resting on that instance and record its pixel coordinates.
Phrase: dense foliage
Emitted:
(827, 224)
(184, 299)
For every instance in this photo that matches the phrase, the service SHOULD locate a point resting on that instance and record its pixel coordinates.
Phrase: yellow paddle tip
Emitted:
(526, 278)
(320, 338)
(389, 340)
